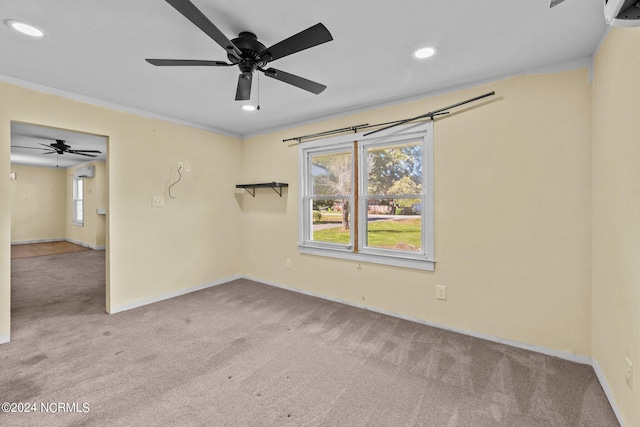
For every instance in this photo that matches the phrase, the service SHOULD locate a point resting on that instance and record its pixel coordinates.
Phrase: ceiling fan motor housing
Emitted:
(60, 144)
(250, 47)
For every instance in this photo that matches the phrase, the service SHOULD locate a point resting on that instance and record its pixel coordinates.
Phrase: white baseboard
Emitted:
(86, 245)
(578, 358)
(607, 391)
(26, 242)
(5, 338)
(146, 301)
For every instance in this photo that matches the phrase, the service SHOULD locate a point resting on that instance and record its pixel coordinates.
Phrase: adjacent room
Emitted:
(50, 180)
(319, 214)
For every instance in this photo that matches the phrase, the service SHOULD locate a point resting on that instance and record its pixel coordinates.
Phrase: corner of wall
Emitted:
(615, 273)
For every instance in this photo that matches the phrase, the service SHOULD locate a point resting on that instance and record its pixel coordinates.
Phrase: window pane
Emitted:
(331, 221)
(331, 174)
(80, 193)
(78, 196)
(395, 224)
(79, 217)
(395, 169)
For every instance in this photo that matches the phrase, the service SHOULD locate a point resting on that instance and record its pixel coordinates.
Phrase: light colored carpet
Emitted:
(247, 354)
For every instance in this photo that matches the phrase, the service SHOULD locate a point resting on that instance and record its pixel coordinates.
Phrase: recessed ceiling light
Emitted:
(23, 28)
(424, 52)
(249, 107)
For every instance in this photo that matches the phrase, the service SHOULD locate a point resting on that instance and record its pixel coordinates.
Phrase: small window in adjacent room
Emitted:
(370, 198)
(78, 201)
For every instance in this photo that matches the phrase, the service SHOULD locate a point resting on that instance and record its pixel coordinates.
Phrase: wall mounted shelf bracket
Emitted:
(251, 188)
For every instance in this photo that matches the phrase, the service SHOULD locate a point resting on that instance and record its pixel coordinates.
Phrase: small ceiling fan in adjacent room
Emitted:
(60, 147)
(248, 53)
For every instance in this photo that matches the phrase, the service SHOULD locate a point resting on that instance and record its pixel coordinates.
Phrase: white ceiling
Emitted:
(29, 141)
(96, 50)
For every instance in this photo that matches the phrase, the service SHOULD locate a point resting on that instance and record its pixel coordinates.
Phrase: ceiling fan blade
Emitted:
(84, 151)
(554, 3)
(81, 154)
(187, 62)
(305, 39)
(46, 145)
(193, 14)
(243, 92)
(51, 152)
(294, 80)
(31, 148)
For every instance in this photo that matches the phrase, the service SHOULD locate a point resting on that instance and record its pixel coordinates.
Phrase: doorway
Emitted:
(59, 198)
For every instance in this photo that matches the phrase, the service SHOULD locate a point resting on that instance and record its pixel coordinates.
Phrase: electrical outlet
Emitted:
(288, 264)
(181, 165)
(157, 201)
(187, 167)
(628, 372)
(441, 292)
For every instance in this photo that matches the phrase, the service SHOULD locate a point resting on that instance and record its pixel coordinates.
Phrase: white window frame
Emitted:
(78, 202)
(424, 260)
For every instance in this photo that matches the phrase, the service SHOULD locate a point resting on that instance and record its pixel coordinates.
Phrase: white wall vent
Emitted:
(622, 13)
(85, 172)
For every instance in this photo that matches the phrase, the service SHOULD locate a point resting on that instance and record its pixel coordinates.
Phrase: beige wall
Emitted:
(514, 180)
(512, 216)
(93, 232)
(616, 215)
(38, 207)
(41, 200)
(191, 241)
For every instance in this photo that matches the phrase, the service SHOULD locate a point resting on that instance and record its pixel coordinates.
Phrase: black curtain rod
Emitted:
(328, 132)
(433, 113)
(354, 129)
(388, 125)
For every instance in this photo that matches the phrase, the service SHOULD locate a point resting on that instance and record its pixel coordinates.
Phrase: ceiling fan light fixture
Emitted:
(424, 52)
(249, 107)
(24, 28)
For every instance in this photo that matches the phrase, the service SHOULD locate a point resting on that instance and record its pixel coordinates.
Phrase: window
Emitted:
(78, 201)
(370, 198)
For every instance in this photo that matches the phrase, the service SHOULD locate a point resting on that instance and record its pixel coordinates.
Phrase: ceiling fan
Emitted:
(248, 53)
(59, 147)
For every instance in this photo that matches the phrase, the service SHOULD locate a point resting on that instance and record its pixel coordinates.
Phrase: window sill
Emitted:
(78, 224)
(395, 261)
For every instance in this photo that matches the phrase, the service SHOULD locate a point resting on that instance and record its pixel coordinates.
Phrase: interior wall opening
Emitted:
(59, 222)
